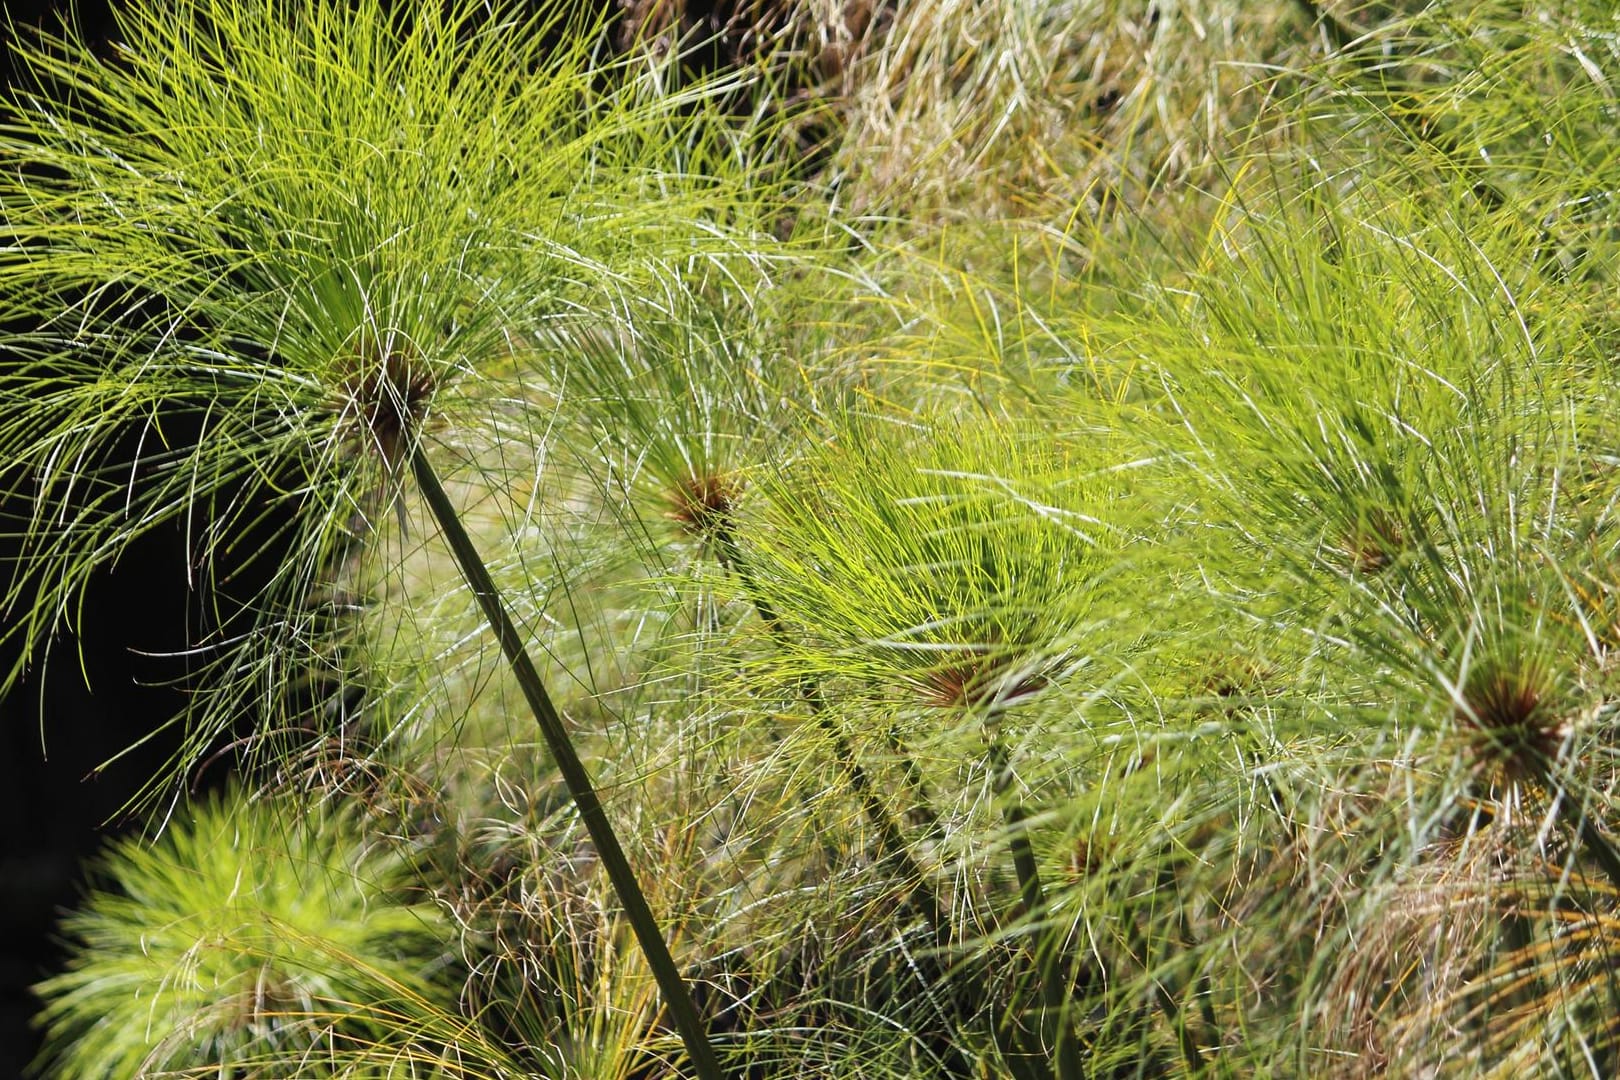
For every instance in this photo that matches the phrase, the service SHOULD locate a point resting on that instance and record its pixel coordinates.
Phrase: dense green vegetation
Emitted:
(1083, 546)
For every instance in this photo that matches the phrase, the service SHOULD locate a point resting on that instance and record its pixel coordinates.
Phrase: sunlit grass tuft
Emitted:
(244, 934)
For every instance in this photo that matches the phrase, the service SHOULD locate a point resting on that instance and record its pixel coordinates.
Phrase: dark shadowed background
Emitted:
(103, 688)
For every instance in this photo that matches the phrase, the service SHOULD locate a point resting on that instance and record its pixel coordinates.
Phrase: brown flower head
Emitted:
(1373, 542)
(387, 388)
(1511, 712)
(977, 677)
(703, 505)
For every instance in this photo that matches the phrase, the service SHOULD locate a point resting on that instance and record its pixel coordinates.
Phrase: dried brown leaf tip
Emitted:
(703, 505)
(1510, 710)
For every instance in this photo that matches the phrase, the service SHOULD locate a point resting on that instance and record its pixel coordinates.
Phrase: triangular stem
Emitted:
(920, 893)
(891, 840)
(677, 997)
(1048, 965)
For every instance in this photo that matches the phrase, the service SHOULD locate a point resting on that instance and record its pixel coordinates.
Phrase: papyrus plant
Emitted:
(246, 939)
(944, 574)
(266, 255)
(1389, 403)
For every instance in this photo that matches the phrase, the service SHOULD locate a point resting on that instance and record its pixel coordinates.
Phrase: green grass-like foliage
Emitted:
(302, 233)
(949, 563)
(1167, 632)
(263, 248)
(247, 941)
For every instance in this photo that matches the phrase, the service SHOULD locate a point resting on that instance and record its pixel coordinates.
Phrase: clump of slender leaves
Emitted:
(269, 247)
(302, 234)
(1167, 632)
(246, 939)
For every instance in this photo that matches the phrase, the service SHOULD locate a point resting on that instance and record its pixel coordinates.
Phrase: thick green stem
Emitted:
(1049, 957)
(677, 997)
(890, 839)
(1600, 848)
(1592, 838)
(1191, 1052)
(893, 844)
(920, 894)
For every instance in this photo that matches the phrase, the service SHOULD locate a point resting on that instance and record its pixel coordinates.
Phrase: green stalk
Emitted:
(677, 997)
(1591, 837)
(1601, 849)
(893, 843)
(1030, 891)
(920, 895)
(1191, 1052)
